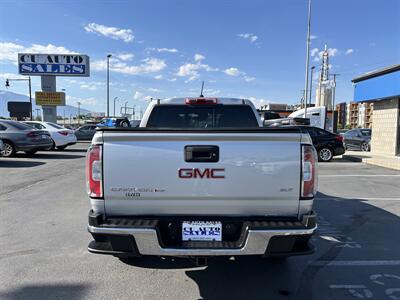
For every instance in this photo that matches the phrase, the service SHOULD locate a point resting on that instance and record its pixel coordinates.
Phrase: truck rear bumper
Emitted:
(136, 237)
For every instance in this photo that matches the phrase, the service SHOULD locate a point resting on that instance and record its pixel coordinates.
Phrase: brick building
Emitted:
(382, 89)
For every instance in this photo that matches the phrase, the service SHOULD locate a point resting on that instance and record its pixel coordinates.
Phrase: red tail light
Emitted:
(339, 138)
(94, 172)
(31, 134)
(308, 172)
(201, 101)
(63, 132)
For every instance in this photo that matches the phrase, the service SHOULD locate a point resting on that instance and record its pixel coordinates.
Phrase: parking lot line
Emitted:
(355, 263)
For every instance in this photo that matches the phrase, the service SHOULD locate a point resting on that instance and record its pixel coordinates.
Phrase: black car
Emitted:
(357, 139)
(85, 132)
(326, 143)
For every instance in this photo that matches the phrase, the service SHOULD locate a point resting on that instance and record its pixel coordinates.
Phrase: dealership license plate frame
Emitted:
(201, 231)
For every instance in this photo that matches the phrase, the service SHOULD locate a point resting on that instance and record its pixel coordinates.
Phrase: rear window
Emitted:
(189, 116)
(365, 132)
(19, 125)
(55, 125)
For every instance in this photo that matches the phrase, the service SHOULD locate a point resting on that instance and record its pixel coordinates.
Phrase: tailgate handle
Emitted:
(201, 153)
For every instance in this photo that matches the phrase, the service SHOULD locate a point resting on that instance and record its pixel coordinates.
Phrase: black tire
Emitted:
(325, 154)
(365, 147)
(61, 147)
(30, 152)
(9, 149)
(52, 147)
(124, 124)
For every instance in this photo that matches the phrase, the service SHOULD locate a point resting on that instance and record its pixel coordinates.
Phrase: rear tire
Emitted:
(9, 149)
(124, 124)
(325, 154)
(365, 147)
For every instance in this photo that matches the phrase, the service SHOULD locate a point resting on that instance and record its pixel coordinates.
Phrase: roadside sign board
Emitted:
(50, 98)
(53, 64)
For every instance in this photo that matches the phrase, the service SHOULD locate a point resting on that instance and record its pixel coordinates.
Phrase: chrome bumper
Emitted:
(147, 242)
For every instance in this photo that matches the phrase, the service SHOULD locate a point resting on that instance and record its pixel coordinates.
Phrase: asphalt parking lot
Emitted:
(43, 238)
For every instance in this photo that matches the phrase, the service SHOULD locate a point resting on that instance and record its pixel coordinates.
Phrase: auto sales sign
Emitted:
(53, 64)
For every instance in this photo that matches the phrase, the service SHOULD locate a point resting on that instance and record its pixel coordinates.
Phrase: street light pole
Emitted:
(307, 57)
(79, 112)
(114, 105)
(311, 79)
(108, 85)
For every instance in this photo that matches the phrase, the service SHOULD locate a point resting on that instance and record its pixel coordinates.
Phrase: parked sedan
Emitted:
(61, 136)
(326, 143)
(358, 139)
(18, 136)
(85, 132)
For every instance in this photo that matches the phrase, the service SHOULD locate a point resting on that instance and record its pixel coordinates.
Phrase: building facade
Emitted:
(381, 88)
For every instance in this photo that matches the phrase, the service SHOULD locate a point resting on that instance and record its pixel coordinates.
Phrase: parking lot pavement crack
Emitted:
(26, 185)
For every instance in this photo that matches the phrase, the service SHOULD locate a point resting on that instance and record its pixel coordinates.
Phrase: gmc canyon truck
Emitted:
(201, 177)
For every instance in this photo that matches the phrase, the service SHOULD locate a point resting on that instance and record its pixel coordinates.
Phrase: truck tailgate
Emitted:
(257, 174)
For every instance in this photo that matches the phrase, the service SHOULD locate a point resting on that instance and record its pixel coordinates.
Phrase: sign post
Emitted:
(48, 66)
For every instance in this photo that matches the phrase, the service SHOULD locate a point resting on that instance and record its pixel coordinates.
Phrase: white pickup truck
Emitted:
(201, 177)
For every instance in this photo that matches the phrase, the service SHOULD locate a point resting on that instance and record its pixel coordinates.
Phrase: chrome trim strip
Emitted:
(147, 241)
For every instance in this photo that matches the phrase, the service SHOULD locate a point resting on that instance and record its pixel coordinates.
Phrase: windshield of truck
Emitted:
(189, 116)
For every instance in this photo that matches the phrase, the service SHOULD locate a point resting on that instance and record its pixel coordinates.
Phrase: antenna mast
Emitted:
(202, 86)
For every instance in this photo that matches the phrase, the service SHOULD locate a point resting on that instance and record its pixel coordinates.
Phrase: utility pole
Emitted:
(307, 57)
(79, 112)
(311, 80)
(108, 85)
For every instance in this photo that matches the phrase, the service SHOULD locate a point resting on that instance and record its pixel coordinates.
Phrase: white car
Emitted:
(61, 136)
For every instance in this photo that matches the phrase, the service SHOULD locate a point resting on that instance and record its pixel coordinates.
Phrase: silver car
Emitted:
(18, 136)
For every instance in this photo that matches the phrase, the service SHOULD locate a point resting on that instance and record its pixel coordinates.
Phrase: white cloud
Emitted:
(314, 51)
(349, 51)
(71, 100)
(137, 95)
(153, 90)
(11, 75)
(235, 72)
(248, 36)
(170, 50)
(149, 65)
(125, 56)
(158, 77)
(191, 70)
(232, 72)
(333, 51)
(171, 79)
(199, 57)
(140, 97)
(115, 33)
(248, 78)
(313, 37)
(9, 51)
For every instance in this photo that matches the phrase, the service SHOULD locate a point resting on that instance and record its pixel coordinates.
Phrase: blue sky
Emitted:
(252, 49)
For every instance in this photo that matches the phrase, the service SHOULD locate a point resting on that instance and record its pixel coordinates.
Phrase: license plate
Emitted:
(44, 136)
(201, 231)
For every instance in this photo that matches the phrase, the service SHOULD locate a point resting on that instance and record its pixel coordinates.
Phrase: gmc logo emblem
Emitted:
(198, 173)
